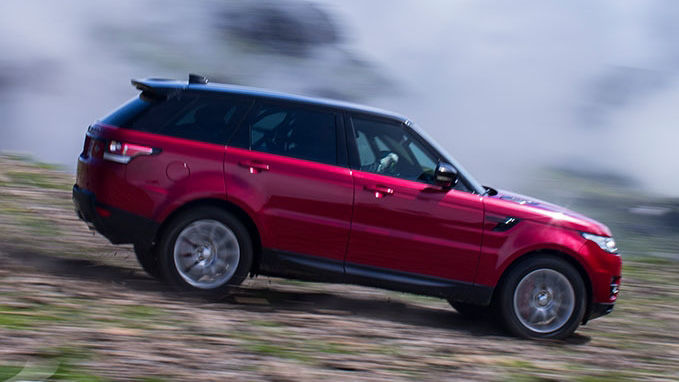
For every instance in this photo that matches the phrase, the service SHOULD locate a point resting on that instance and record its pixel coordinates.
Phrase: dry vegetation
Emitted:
(73, 307)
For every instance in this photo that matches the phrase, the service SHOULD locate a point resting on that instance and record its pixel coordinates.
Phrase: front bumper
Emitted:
(599, 309)
(118, 226)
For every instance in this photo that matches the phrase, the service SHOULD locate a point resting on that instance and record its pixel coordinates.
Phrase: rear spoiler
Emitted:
(164, 86)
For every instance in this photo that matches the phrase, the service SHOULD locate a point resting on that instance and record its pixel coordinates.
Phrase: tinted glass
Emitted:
(159, 114)
(206, 119)
(122, 116)
(295, 132)
(387, 148)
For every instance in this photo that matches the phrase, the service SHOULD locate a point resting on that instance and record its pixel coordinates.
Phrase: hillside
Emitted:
(73, 307)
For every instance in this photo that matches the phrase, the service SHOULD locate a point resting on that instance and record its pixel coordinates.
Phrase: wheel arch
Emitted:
(230, 207)
(554, 253)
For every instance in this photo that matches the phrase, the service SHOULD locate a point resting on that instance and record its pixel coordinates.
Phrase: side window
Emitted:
(385, 147)
(424, 159)
(294, 131)
(157, 113)
(210, 120)
(365, 152)
(205, 119)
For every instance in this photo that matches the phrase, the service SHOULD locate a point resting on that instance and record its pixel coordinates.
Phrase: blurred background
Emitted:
(574, 102)
(533, 96)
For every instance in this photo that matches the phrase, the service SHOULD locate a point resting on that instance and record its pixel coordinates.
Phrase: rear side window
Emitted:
(294, 131)
(211, 120)
(123, 115)
(207, 119)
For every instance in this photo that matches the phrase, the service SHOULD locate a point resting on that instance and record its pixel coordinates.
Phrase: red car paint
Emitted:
(306, 207)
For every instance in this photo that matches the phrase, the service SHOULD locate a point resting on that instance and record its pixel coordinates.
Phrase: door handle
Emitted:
(380, 190)
(254, 166)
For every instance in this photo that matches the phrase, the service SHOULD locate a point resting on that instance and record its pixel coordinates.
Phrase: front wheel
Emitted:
(205, 249)
(543, 297)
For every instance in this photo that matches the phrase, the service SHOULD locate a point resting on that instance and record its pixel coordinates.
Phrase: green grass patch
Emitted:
(34, 179)
(8, 371)
(266, 324)
(39, 226)
(25, 318)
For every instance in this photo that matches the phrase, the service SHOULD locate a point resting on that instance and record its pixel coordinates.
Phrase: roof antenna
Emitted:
(197, 79)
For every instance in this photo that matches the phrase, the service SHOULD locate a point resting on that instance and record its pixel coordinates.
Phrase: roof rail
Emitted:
(197, 79)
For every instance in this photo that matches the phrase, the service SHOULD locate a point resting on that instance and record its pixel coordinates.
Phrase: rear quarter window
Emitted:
(210, 119)
(123, 115)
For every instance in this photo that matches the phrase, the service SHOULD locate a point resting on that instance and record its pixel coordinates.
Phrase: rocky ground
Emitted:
(73, 307)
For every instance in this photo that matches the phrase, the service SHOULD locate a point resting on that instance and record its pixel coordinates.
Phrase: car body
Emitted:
(213, 182)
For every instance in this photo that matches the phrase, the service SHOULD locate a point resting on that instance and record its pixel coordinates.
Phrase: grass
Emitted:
(640, 334)
(275, 340)
(56, 364)
(25, 318)
(34, 179)
(140, 312)
(8, 371)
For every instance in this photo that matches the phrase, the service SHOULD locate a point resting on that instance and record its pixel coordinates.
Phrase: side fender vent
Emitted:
(503, 224)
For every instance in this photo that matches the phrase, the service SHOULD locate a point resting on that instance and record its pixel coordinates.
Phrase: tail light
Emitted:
(86, 147)
(121, 152)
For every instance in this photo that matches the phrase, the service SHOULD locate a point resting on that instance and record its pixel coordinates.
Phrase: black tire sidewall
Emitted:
(170, 234)
(506, 297)
(148, 260)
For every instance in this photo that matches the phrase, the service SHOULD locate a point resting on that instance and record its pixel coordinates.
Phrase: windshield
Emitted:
(472, 183)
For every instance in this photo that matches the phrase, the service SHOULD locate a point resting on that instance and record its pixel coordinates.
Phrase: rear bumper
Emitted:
(118, 226)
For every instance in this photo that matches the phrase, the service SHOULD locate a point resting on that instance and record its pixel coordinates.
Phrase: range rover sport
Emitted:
(212, 183)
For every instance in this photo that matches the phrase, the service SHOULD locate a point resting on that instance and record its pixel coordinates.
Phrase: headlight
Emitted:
(605, 243)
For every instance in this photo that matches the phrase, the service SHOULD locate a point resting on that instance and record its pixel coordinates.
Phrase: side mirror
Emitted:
(445, 175)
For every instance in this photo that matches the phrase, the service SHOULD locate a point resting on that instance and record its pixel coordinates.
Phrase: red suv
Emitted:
(214, 182)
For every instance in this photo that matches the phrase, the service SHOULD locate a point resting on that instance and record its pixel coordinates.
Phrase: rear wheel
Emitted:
(205, 249)
(543, 297)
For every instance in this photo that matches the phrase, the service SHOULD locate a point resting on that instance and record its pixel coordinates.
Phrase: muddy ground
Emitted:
(73, 307)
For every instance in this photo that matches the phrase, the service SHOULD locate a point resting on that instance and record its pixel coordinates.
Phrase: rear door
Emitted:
(287, 167)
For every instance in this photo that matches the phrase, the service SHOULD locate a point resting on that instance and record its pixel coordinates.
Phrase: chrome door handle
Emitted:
(254, 166)
(380, 190)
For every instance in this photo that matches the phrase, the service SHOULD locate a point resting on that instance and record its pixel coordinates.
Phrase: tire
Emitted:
(471, 311)
(148, 260)
(542, 297)
(205, 249)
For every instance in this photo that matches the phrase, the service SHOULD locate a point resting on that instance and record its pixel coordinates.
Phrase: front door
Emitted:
(402, 222)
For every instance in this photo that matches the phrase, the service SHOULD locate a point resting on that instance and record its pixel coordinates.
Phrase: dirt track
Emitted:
(72, 304)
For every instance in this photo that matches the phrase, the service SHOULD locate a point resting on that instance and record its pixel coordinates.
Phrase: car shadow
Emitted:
(266, 299)
(382, 308)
